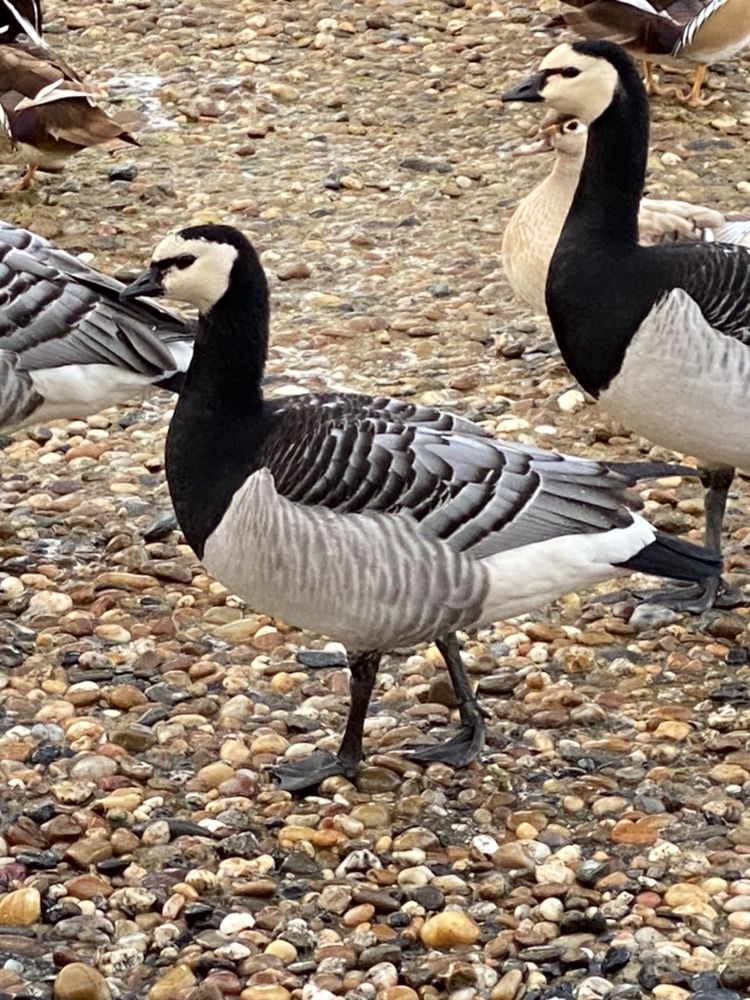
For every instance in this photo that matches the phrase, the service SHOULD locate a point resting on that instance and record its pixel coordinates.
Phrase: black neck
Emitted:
(229, 357)
(597, 294)
(219, 422)
(614, 170)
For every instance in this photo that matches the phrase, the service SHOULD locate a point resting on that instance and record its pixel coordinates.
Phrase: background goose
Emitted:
(378, 522)
(660, 335)
(534, 228)
(68, 346)
(46, 113)
(700, 31)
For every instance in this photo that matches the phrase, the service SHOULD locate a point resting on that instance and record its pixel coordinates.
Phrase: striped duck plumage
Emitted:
(669, 32)
(378, 522)
(46, 112)
(68, 346)
(534, 228)
(660, 335)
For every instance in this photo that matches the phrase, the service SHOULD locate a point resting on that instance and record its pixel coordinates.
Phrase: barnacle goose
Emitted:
(534, 228)
(375, 521)
(661, 334)
(46, 113)
(68, 346)
(668, 31)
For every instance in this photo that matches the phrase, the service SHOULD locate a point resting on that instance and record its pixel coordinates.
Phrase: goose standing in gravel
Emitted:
(534, 228)
(668, 31)
(374, 521)
(68, 346)
(660, 335)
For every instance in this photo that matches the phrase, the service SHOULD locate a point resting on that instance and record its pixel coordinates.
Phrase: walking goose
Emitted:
(668, 31)
(375, 521)
(661, 334)
(68, 346)
(534, 228)
(46, 113)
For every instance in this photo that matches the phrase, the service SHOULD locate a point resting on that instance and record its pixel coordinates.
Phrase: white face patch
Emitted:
(197, 271)
(585, 94)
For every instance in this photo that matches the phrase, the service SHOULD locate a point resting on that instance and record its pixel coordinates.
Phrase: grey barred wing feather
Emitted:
(716, 276)
(55, 310)
(475, 493)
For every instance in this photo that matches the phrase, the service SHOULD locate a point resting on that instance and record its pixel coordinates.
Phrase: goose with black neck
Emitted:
(377, 522)
(659, 335)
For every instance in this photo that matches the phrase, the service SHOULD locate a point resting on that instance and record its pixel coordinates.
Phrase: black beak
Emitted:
(147, 283)
(529, 90)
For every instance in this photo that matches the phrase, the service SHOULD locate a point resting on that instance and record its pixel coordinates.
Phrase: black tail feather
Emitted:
(676, 559)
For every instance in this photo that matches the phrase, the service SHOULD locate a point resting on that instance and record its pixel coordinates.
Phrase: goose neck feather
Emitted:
(593, 280)
(221, 421)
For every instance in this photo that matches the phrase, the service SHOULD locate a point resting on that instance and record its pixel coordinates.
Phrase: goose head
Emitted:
(580, 80)
(564, 136)
(198, 265)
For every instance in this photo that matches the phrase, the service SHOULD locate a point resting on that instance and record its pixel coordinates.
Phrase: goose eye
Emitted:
(571, 127)
(184, 261)
(570, 72)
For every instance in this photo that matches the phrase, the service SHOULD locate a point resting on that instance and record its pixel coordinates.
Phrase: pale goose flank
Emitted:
(377, 522)
(68, 346)
(534, 228)
(660, 335)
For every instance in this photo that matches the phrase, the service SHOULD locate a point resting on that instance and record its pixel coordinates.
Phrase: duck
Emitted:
(670, 31)
(68, 346)
(659, 335)
(379, 522)
(534, 228)
(46, 112)
(20, 17)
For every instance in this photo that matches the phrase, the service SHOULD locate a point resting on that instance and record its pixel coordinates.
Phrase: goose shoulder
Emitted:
(715, 276)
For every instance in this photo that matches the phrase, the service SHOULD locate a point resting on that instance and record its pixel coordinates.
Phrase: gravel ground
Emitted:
(599, 849)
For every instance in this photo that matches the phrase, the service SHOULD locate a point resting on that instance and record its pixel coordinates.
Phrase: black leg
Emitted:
(714, 592)
(717, 483)
(322, 764)
(468, 744)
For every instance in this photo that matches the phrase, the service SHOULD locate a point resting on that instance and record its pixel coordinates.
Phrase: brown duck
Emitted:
(667, 31)
(46, 113)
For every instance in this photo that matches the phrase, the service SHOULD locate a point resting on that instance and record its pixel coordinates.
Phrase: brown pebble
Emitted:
(20, 908)
(361, 914)
(449, 928)
(80, 982)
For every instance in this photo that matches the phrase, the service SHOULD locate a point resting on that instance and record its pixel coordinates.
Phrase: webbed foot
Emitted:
(309, 773)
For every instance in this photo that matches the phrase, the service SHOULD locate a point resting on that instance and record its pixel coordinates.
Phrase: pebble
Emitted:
(448, 929)
(172, 983)
(20, 908)
(80, 982)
